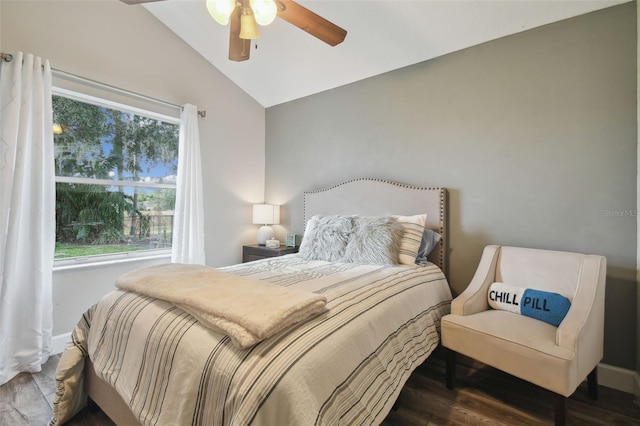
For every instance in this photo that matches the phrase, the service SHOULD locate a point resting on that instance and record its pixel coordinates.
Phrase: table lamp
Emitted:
(265, 215)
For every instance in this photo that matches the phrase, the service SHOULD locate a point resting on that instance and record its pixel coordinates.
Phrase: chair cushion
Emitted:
(542, 305)
(516, 344)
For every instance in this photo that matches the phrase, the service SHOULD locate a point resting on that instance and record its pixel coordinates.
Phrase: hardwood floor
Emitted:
(27, 400)
(485, 396)
(482, 396)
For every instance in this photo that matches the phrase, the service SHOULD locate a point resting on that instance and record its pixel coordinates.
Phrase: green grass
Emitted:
(66, 250)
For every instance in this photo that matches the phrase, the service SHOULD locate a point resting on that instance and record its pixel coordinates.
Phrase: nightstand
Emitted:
(256, 252)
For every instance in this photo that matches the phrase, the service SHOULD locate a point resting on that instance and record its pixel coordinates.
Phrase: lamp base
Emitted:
(264, 233)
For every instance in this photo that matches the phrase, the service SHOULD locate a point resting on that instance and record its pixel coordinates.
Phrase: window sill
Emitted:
(110, 259)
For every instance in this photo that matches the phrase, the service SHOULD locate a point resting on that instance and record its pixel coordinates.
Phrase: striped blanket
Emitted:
(345, 366)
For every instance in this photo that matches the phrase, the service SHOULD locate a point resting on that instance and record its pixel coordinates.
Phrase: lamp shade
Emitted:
(221, 10)
(248, 27)
(266, 214)
(265, 11)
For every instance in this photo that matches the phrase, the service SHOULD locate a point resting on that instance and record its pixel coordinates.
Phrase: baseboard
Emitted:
(59, 342)
(618, 378)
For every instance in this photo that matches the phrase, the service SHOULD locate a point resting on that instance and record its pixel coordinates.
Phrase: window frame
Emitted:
(125, 256)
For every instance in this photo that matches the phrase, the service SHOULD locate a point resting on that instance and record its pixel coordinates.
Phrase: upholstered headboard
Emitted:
(379, 197)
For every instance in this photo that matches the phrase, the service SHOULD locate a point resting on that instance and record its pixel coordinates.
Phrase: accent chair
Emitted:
(557, 358)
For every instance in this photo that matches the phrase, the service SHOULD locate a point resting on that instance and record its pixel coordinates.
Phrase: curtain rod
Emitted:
(7, 57)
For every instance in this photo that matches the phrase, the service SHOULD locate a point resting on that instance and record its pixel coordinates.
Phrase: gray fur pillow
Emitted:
(374, 240)
(326, 237)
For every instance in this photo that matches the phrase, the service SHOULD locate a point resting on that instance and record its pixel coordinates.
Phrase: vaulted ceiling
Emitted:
(382, 35)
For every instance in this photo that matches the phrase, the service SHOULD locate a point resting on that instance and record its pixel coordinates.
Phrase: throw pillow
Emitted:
(326, 238)
(374, 240)
(430, 240)
(413, 227)
(542, 305)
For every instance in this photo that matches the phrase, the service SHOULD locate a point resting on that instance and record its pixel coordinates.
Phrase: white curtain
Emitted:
(188, 222)
(27, 214)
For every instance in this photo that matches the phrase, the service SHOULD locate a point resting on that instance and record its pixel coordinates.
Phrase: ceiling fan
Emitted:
(242, 15)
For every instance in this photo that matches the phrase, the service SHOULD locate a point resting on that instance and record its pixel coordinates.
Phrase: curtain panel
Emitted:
(188, 228)
(27, 214)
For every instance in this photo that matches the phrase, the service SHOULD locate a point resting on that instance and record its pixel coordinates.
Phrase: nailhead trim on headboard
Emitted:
(442, 256)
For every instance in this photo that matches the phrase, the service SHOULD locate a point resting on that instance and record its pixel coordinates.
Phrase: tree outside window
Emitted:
(115, 177)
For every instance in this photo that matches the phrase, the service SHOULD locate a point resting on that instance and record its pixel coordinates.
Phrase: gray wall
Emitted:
(125, 46)
(534, 135)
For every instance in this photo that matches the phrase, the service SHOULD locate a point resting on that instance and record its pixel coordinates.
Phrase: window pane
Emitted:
(97, 143)
(102, 143)
(95, 219)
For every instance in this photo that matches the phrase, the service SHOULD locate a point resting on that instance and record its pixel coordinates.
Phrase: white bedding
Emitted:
(345, 366)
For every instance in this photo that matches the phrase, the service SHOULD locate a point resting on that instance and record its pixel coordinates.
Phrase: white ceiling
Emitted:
(382, 35)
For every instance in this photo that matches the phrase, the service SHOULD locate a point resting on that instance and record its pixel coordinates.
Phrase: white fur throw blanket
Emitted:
(245, 309)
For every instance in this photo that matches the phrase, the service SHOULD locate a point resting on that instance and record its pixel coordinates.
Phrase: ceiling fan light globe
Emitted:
(265, 11)
(220, 10)
(248, 27)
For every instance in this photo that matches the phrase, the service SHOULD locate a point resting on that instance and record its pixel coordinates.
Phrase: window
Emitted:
(116, 168)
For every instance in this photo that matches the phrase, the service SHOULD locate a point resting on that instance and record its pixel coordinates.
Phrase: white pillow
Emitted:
(413, 227)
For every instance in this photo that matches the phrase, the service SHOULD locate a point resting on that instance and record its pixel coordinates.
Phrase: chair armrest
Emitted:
(583, 327)
(474, 298)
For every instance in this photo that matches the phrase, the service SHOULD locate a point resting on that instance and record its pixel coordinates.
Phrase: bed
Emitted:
(144, 361)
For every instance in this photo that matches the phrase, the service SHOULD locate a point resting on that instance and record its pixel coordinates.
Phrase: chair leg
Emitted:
(450, 373)
(560, 410)
(592, 383)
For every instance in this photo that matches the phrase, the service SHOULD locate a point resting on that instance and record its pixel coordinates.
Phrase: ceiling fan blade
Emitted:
(239, 48)
(310, 22)
(138, 1)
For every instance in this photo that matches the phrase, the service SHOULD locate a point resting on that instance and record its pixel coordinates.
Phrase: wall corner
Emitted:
(636, 390)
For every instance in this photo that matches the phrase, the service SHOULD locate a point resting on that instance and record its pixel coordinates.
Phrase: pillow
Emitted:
(430, 240)
(542, 305)
(413, 227)
(326, 237)
(375, 240)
